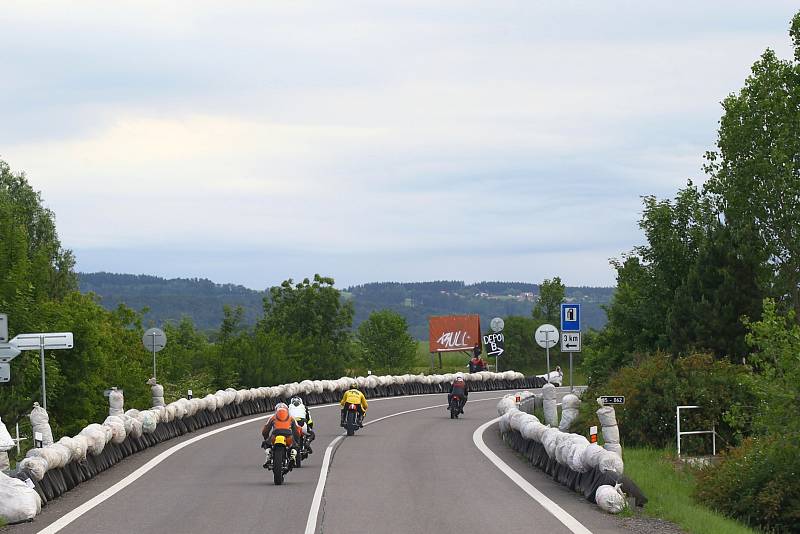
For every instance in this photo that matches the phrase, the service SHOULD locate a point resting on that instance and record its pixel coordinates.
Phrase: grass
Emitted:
(669, 490)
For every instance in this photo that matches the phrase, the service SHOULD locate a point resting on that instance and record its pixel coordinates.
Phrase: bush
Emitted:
(657, 383)
(757, 483)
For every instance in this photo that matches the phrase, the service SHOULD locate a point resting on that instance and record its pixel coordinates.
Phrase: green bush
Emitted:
(757, 483)
(655, 384)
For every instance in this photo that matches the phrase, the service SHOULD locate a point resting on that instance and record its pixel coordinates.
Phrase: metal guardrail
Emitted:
(713, 430)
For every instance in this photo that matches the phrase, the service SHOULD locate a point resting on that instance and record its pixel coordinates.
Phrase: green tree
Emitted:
(548, 305)
(755, 171)
(386, 343)
(520, 345)
(313, 322)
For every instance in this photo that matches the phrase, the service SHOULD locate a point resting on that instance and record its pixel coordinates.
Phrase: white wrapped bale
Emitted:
(505, 423)
(550, 441)
(6, 442)
(81, 448)
(505, 404)
(616, 448)
(611, 462)
(96, 438)
(156, 393)
(36, 465)
(528, 428)
(611, 434)
(40, 422)
(136, 428)
(570, 405)
(18, 502)
(149, 421)
(211, 402)
(606, 415)
(116, 402)
(538, 431)
(591, 455)
(610, 498)
(575, 460)
(549, 404)
(117, 427)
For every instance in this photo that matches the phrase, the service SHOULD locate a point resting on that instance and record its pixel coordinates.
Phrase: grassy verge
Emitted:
(669, 491)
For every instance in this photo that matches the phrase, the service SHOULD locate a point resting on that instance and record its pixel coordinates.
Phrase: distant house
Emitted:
(527, 295)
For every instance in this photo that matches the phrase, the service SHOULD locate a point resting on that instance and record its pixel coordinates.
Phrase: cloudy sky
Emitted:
(378, 140)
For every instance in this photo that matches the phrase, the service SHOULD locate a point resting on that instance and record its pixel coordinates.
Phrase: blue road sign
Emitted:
(570, 317)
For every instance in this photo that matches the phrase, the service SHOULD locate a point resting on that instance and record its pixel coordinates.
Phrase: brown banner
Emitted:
(453, 332)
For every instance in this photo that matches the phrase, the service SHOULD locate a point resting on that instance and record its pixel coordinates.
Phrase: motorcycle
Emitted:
(280, 463)
(351, 419)
(454, 406)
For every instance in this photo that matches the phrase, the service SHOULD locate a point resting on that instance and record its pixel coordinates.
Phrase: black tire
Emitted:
(452, 414)
(278, 454)
(298, 462)
(350, 430)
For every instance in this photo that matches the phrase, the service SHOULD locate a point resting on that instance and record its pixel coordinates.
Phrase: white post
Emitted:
(547, 351)
(44, 388)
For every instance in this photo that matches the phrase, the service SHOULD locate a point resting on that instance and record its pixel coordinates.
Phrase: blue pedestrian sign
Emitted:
(570, 317)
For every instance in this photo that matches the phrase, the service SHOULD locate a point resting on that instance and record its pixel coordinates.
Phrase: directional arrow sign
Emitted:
(494, 343)
(5, 372)
(8, 352)
(50, 341)
(3, 328)
(570, 341)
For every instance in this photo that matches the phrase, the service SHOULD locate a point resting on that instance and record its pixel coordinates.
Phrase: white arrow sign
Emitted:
(8, 352)
(48, 341)
(570, 341)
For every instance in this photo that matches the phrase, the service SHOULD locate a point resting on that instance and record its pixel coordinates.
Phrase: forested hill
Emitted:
(202, 300)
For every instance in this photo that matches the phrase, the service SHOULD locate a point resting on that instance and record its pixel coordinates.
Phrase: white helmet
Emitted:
(459, 375)
(296, 401)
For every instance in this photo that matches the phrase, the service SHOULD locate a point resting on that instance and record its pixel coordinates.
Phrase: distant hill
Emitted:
(202, 300)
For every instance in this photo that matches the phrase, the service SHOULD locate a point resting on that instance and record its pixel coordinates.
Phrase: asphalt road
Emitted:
(413, 472)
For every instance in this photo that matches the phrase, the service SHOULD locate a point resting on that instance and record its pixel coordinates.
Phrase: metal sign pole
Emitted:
(571, 387)
(44, 387)
(547, 350)
(154, 353)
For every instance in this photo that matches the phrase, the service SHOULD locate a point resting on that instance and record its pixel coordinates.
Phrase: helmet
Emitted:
(354, 385)
(459, 376)
(296, 401)
(281, 412)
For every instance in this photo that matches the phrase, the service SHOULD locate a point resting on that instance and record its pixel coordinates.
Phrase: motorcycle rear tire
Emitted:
(277, 464)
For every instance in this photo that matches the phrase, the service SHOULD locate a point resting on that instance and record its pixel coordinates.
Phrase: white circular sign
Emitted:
(154, 339)
(546, 336)
(497, 324)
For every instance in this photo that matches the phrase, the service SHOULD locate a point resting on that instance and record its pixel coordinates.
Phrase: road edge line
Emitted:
(559, 513)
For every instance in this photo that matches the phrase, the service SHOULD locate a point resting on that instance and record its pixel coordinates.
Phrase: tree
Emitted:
(755, 171)
(313, 321)
(548, 306)
(386, 343)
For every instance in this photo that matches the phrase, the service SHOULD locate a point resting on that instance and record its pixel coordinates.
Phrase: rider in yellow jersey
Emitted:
(354, 396)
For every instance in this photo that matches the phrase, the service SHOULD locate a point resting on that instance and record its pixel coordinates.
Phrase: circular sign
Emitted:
(546, 336)
(154, 339)
(497, 324)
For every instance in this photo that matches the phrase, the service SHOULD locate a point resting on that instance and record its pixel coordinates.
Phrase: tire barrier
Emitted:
(568, 458)
(60, 467)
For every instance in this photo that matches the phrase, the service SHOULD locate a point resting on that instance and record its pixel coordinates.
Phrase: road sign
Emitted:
(5, 372)
(154, 339)
(3, 328)
(570, 341)
(41, 342)
(570, 317)
(612, 399)
(46, 341)
(495, 344)
(497, 324)
(8, 352)
(546, 336)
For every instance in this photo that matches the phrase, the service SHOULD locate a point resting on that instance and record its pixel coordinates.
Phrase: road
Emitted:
(411, 469)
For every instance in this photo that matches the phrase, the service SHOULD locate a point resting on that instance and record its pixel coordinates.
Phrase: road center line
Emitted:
(313, 513)
(559, 513)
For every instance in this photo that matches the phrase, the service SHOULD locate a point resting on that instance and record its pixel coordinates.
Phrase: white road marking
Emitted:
(74, 514)
(559, 513)
(313, 513)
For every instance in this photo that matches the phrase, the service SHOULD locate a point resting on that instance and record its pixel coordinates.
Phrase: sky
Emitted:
(380, 140)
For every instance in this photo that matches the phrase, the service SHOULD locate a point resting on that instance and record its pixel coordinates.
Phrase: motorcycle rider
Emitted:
(280, 424)
(354, 396)
(301, 415)
(458, 387)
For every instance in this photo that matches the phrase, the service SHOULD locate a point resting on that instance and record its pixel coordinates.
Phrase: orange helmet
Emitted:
(281, 412)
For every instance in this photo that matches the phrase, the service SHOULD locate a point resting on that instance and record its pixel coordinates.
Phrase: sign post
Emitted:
(546, 336)
(42, 342)
(154, 339)
(571, 334)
